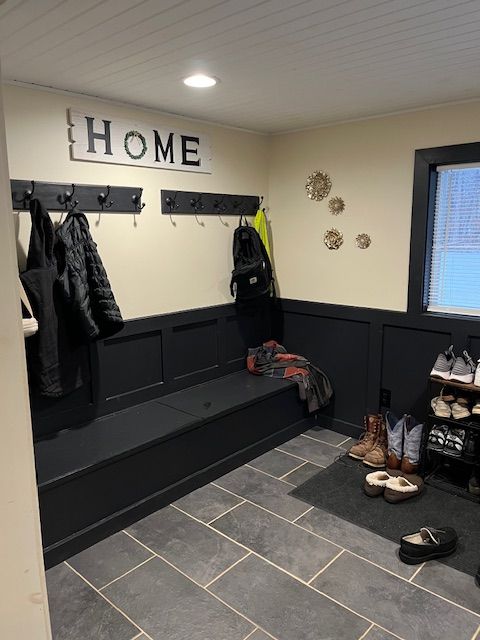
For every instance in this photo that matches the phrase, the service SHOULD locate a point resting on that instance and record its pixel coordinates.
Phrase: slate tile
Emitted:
(365, 543)
(303, 473)
(77, 612)
(385, 599)
(311, 450)
(259, 635)
(264, 491)
(284, 544)
(169, 606)
(326, 435)
(207, 503)
(189, 545)
(109, 559)
(283, 606)
(346, 445)
(276, 463)
(379, 634)
(450, 583)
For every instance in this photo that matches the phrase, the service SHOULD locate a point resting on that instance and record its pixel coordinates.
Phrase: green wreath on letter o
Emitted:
(135, 134)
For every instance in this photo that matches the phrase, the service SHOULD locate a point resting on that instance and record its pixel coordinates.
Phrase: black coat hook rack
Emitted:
(103, 200)
(209, 204)
(58, 196)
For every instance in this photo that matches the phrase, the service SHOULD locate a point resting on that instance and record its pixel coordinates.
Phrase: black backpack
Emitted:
(252, 275)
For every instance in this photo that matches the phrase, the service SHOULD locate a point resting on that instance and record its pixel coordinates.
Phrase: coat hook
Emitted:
(67, 197)
(236, 205)
(27, 194)
(172, 203)
(102, 199)
(197, 204)
(220, 206)
(136, 199)
(260, 202)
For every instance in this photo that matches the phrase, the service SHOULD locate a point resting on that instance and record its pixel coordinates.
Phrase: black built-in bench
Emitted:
(99, 477)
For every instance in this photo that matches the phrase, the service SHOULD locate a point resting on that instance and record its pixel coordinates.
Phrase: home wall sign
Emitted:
(100, 138)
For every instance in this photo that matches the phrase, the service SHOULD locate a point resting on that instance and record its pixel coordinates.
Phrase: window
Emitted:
(453, 275)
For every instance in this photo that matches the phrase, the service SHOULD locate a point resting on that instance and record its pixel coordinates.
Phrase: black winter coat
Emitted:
(84, 281)
(54, 359)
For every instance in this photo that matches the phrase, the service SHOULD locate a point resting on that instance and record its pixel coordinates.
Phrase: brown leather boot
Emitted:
(378, 455)
(407, 467)
(393, 462)
(367, 440)
(412, 442)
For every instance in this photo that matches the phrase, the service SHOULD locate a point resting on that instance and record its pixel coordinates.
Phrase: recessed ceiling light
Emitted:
(200, 81)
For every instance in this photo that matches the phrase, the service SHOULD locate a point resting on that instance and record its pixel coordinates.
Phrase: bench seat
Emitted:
(101, 476)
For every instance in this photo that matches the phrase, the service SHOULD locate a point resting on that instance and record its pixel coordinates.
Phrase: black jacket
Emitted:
(83, 280)
(54, 361)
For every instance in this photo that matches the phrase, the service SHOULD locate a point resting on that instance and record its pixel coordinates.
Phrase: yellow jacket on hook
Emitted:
(260, 225)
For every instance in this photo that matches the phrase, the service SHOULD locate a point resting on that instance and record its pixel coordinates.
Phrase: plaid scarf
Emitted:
(272, 359)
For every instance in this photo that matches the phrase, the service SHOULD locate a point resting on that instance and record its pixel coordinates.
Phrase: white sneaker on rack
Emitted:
(476, 409)
(460, 411)
(476, 380)
(463, 369)
(440, 407)
(443, 364)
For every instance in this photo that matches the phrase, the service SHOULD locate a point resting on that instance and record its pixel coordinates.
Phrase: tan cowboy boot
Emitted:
(367, 440)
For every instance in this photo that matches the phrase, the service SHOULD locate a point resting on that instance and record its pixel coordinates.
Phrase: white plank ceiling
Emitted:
(283, 64)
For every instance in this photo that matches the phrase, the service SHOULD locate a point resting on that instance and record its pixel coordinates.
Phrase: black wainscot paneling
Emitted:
(150, 357)
(473, 346)
(365, 350)
(130, 363)
(191, 349)
(241, 332)
(154, 356)
(340, 348)
(408, 356)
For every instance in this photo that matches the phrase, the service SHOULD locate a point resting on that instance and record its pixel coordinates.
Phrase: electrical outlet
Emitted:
(385, 398)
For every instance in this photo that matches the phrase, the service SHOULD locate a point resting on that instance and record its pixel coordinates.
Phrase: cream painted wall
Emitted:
(154, 267)
(371, 166)
(23, 597)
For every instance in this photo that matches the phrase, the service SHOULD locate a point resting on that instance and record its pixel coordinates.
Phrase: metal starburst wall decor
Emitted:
(318, 185)
(333, 238)
(336, 205)
(363, 241)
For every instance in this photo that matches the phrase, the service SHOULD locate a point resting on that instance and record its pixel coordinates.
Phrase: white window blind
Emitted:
(455, 267)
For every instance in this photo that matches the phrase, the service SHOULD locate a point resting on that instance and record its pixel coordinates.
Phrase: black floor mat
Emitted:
(339, 490)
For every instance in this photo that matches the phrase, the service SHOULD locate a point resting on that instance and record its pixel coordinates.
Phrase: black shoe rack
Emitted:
(441, 469)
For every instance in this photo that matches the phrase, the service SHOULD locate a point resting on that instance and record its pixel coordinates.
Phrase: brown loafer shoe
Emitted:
(400, 488)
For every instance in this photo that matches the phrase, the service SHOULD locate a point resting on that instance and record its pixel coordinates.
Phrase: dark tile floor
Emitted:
(240, 558)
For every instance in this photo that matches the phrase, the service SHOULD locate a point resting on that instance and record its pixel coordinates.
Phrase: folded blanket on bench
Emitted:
(272, 359)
